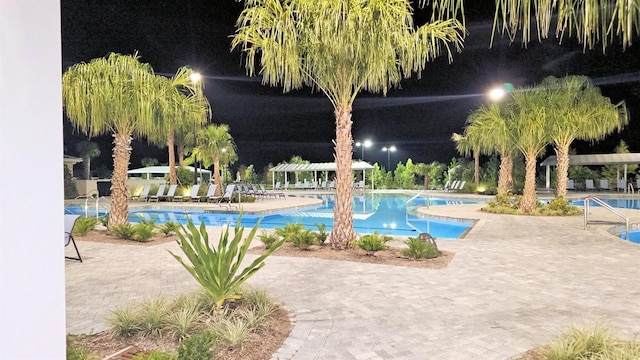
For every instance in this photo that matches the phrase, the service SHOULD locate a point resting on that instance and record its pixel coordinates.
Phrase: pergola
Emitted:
(320, 167)
(152, 172)
(594, 159)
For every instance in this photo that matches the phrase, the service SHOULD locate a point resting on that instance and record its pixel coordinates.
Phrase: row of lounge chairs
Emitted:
(210, 196)
(604, 185)
(455, 185)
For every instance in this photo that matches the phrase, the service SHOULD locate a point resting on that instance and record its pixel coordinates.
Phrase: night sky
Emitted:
(269, 126)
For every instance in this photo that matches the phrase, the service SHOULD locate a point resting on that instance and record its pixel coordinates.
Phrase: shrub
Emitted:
(152, 315)
(419, 249)
(372, 242)
(83, 225)
(321, 235)
(144, 231)
(268, 239)
(169, 227)
(77, 352)
(289, 230)
(232, 332)
(590, 342)
(123, 231)
(259, 301)
(124, 321)
(303, 239)
(196, 347)
(217, 270)
(104, 220)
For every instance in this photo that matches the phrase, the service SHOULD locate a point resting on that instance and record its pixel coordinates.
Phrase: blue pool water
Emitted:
(634, 236)
(617, 203)
(384, 213)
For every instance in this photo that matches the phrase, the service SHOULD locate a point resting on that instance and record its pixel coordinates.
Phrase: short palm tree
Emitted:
(342, 47)
(215, 146)
(116, 94)
(87, 151)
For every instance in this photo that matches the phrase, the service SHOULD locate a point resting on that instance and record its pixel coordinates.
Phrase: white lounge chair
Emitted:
(144, 194)
(228, 195)
(621, 185)
(604, 184)
(211, 193)
(170, 194)
(193, 194)
(158, 194)
(571, 185)
(588, 185)
(69, 222)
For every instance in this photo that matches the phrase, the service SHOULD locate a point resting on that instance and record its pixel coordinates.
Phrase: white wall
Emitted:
(32, 289)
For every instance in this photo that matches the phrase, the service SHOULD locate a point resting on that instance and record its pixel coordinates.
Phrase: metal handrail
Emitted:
(98, 206)
(415, 197)
(630, 189)
(606, 206)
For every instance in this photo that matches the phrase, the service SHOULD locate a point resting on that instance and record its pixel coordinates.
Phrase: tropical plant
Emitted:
(87, 151)
(215, 145)
(577, 110)
(155, 355)
(289, 230)
(118, 94)
(123, 231)
(153, 314)
(302, 239)
(124, 321)
(148, 161)
(589, 342)
(373, 242)
(78, 352)
(83, 225)
(218, 269)
(342, 48)
(169, 227)
(196, 347)
(268, 239)
(321, 235)
(231, 331)
(418, 249)
(144, 231)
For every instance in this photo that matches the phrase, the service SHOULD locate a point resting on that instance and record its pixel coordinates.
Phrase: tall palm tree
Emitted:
(87, 151)
(215, 146)
(342, 47)
(577, 110)
(116, 94)
(487, 130)
(466, 148)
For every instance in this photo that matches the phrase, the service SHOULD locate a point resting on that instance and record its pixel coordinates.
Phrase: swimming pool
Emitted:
(384, 213)
(617, 203)
(634, 236)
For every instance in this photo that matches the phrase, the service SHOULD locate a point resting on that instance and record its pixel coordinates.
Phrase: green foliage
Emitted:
(268, 239)
(372, 242)
(104, 220)
(218, 269)
(321, 235)
(155, 355)
(243, 198)
(83, 225)
(289, 230)
(78, 352)
(70, 190)
(591, 342)
(153, 314)
(196, 347)
(183, 320)
(184, 176)
(419, 249)
(144, 231)
(231, 331)
(124, 321)
(303, 239)
(169, 227)
(404, 175)
(123, 231)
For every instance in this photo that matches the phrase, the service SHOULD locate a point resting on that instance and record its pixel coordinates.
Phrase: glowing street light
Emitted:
(365, 144)
(389, 150)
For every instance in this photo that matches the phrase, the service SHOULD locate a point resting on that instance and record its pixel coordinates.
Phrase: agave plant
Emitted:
(218, 269)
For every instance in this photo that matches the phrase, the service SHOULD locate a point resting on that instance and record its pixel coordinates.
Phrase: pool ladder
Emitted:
(606, 206)
(98, 205)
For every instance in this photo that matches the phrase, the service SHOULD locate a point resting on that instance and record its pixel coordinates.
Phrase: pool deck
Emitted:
(514, 283)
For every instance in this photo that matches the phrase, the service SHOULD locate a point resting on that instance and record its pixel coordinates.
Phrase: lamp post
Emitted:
(195, 78)
(365, 144)
(389, 150)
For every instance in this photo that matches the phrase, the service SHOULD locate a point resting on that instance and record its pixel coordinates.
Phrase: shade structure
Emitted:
(161, 171)
(593, 159)
(321, 167)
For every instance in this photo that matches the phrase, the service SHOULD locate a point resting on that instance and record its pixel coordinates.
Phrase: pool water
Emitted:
(384, 213)
(616, 203)
(634, 236)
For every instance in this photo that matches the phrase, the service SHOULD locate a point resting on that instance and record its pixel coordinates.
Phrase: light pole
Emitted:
(365, 144)
(195, 78)
(389, 150)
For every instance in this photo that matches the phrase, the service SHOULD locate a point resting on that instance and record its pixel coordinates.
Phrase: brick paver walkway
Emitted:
(514, 283)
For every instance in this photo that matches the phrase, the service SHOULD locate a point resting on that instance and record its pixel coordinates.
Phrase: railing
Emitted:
(606, 206)
(630, 189)
(406, 207)
(98, 204)
(406, 203)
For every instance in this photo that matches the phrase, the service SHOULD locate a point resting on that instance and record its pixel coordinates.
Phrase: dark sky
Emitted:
(270, 127)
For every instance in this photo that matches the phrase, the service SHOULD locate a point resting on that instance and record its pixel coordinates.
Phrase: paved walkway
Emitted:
(514, 283)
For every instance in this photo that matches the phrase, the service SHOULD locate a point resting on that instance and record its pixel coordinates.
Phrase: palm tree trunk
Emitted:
(562, 170)
(529, 198)
(216, 175)
(505, 177)
(173, 178)
(87, 168)
(180, 147)
(121, 155)
(343, 233)
(476, 167)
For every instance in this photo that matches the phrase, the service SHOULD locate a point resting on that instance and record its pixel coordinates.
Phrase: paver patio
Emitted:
(514, 283)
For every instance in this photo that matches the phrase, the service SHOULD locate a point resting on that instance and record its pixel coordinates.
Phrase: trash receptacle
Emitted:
(104, 188)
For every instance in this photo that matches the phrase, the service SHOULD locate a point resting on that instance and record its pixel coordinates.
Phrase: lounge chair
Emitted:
(144, 194)
(69, 222)
(453, 186)
(446, 186)
(621, 185)
(158, 194)
(228, 195)
(170, 194)
(571, 185)
(604, 184)
(211, 193)
(193, 194)
(286, 185)
(460, 185)
(638, 184)
(588, 185)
